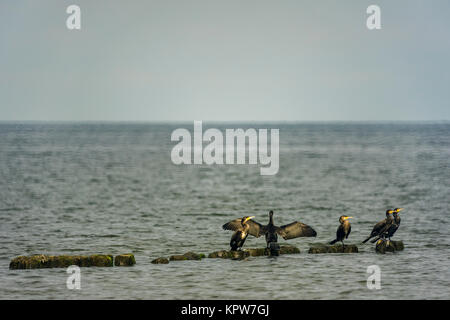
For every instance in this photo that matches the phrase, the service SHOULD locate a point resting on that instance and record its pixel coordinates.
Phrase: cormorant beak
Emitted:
(391, 211)
(348, 218)
(249, 218)
(399, 209)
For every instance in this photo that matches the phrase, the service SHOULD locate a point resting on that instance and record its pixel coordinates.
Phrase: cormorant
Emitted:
(343, 230)
(380, 227)
(392, 228)
(242, 227)
(289, 231)
(271, 232)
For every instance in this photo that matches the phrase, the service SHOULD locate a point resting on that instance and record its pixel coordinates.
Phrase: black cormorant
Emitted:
(343, 230)
(389, 231)
(242, 227)
(381, 226)
(289, 231)
(271, 232)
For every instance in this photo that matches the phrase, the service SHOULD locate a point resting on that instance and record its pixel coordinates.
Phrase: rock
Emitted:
(336, 248)
(252, 252)
(289, 250)
(399, 245)
(256, 252)
(63, 261)
(382, 246)
(160, 260)
(194, 256)
(124, 260)
(274, 249)
(101, 260)
(224, 254)
(187, 256)
(178, 257)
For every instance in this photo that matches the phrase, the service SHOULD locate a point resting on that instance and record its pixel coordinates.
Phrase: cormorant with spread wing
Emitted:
(289, 231)
(292, 230)
(242, 227)
(343, 230)
(381, 226)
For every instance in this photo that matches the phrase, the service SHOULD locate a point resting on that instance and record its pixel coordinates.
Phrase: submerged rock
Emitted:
(224, 254)
(274, 249)
(124, 260)
(289, 250)
(336, 248)
(187, 256)
(194, 256)
(256, 252)
(399, 245)
(178, 257)
(101, 260)
(64, 261)
(252, 252)
(383, 246)
(160, 260)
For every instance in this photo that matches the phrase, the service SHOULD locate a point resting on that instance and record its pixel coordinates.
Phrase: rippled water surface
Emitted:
(111, 188)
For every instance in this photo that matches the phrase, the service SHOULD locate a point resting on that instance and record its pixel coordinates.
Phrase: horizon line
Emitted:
(223, 121)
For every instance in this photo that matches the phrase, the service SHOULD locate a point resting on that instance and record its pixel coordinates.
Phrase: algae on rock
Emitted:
(336, 248)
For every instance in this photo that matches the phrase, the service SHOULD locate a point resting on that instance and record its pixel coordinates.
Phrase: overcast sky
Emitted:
(224, 61)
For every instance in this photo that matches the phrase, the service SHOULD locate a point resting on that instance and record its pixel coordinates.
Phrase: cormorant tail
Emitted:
(375, 240)
(333, 242)
(366, 240)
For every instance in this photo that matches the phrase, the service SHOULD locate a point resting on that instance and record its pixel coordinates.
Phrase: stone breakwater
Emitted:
(336, 248)
(226, 254)
(101, 260)
(63, 261)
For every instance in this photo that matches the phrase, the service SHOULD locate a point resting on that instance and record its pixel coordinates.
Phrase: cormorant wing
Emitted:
(378, 227)
(386, 226)
(256, 229)
(294, 230)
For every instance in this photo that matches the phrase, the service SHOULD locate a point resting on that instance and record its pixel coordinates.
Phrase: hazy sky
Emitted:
(224, 60)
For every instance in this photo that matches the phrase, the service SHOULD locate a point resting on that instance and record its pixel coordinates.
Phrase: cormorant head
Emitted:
(397, 210)
(344, 218)
(388, 212)
(245, 219)
(270, 213)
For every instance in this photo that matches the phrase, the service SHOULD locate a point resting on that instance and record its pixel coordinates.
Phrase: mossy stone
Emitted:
(160, 260)
(101, 260)
(289, 250)
(193, 256)
(178, 257)
(336, 248)
(383, 246)
(124, 260)
(257, 252)
(224, 254)
(62, 261)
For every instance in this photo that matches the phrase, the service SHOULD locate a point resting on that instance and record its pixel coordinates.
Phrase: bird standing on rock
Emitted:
(271, 231)
(289, 231)
(381, 226)
(343, 230)
(242, 228)
(389, 230)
